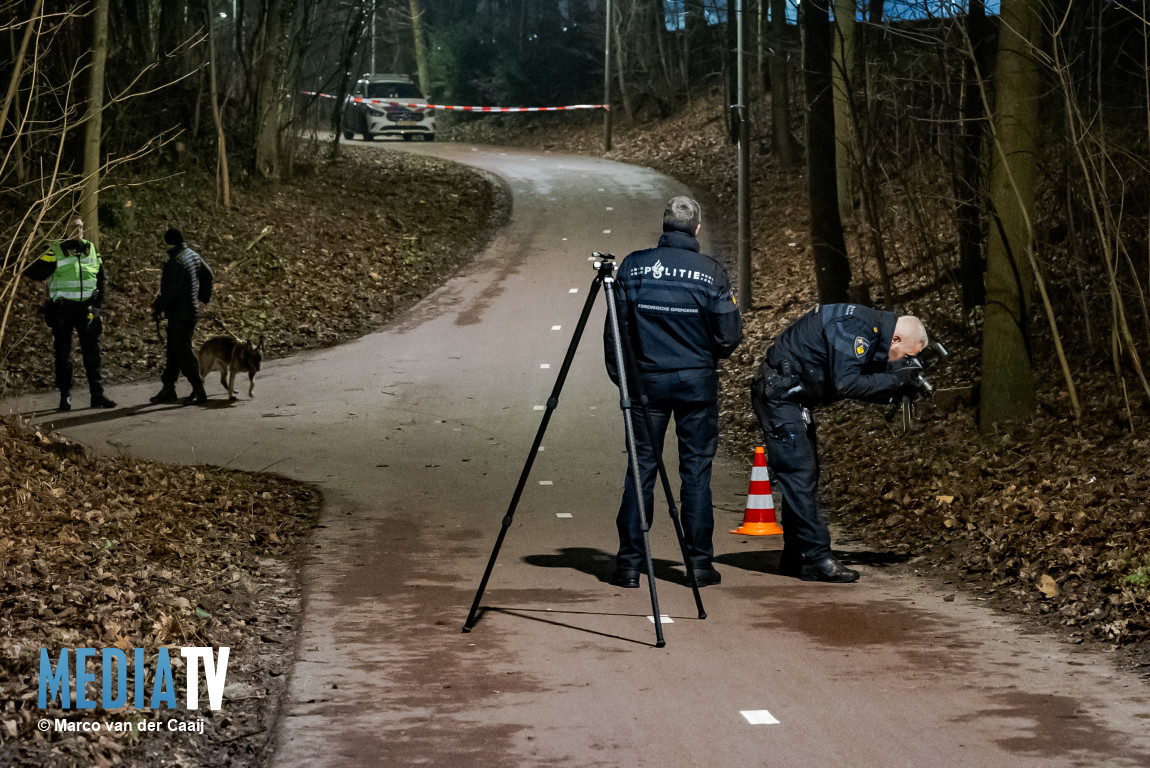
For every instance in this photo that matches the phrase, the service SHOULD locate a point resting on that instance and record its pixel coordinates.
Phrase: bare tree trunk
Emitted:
(781, 89)
(968, 184)
(18, 65)
(843, 75)
(620, 62)
(268, 98)
(670, 87)
(1007, 383)
(90, 199)
(762, 69)
(420, 47)
(223, 184)
(832, 269)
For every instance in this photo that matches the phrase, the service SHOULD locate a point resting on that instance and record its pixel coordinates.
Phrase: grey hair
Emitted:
(682, 214)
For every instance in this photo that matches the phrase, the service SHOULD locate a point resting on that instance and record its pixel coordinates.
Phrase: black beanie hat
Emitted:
(173, 236)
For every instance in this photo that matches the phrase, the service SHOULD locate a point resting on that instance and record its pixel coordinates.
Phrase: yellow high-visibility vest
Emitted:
(75, 276)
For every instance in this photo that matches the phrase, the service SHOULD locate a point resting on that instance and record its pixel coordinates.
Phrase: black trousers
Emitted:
(66, 318)
(692, 398)
(793, 458)
(181, 358)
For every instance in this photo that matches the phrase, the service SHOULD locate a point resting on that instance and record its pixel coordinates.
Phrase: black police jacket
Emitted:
(838, 351)
(676, 306)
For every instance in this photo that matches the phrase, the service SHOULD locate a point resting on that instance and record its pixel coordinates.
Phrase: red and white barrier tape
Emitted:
(385, 102)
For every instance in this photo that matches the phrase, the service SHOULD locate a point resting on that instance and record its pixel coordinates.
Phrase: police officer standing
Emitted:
(676, 307)
(75, 276)
(185, 283)
(835, 351)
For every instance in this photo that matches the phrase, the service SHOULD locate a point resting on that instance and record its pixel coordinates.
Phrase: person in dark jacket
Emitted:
(835, 351)
(75, 275)
(677, 308)
(185, 284)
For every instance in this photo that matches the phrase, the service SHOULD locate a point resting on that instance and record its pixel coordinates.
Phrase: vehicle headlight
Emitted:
(374, 112)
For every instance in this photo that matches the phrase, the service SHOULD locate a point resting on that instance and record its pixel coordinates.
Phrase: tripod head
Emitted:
(605, 265)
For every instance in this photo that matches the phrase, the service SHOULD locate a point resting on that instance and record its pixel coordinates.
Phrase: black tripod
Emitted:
(625, 364)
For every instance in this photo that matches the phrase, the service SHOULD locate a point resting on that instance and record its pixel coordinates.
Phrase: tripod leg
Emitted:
(626, 404)
(552, 404)
(672, 509)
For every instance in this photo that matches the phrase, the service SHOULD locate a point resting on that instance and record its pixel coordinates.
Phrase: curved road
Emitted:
(417, 434)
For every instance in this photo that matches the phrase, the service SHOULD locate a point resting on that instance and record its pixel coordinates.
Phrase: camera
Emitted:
(927, 357)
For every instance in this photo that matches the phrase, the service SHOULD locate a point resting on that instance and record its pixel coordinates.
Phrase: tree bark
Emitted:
(620, 62)
(1007, 384)
(784, 142)
(420, 47)
(223, 183)
(843, 75)
(968, 185)
(90, 199)
(349, 45)
(17, 66)
(832, 269)
(268, 98)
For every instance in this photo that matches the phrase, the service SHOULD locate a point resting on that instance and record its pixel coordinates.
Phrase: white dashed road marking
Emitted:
(759, 717)
(663, 619)
(564, 514)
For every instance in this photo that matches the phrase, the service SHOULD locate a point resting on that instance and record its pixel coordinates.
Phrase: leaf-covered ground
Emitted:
(103, 552)
(1050, 521)
(112, 552)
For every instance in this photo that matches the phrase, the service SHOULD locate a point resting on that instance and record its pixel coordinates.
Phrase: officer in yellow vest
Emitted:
(75, 278)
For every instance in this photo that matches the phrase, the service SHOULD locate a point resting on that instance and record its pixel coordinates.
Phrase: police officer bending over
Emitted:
(836, 351)
(75, 276)
(676, 307)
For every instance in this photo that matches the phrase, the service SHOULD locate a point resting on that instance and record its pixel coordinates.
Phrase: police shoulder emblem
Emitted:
(861, 346)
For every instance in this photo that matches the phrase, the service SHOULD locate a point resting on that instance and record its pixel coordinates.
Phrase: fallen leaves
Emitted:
(1048, 586)
(136, 554)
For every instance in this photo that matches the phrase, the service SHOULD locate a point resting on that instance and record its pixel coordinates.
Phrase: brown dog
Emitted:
(229, 356)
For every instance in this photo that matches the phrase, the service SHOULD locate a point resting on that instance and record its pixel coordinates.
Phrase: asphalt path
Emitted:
(417, 434)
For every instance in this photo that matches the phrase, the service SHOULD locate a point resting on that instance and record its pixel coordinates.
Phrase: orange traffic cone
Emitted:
(759, 519)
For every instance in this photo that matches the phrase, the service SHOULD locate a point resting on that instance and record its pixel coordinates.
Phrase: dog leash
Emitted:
(212, 315)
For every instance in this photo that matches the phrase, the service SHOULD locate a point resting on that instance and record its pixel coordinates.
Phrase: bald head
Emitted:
(909, 337)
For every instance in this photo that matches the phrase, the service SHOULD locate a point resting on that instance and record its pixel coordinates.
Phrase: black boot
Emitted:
(198, 397)
(65, 402)
(101, 400)
(165, 395)
(828, 569)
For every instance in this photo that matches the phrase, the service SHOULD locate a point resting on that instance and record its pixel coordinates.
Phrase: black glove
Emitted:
(907, 379)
